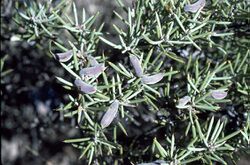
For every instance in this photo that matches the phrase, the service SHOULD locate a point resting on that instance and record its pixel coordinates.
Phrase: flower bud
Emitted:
(193, 8)
(92, 61)
(219, 94)
(136, 65)
(64, 57)
(110, 114)
(84, 87)
(152, 79)
(183, 102)
(93, 71)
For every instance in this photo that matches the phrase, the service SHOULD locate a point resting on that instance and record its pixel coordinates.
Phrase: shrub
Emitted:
(174, 90)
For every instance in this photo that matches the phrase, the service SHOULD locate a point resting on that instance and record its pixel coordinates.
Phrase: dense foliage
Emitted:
(173, 89)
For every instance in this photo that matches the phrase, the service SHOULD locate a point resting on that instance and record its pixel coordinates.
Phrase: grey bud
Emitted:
(92, 61)
(193, 8)
(152, 79)
(110, 114)
(84, 87)
(219, 94)
(93, 71)
(136, 65)
(64, 57)
(183, 102)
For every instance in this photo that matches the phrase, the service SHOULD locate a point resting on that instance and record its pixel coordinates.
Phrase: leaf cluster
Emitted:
(198, 53)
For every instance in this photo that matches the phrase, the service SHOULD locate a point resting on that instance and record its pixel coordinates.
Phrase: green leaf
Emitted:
(70, 71)
(118, 69)
(76, 140)
(110, 43)
(162, 151)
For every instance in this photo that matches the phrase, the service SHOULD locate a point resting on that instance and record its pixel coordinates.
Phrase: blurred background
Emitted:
(31, 130)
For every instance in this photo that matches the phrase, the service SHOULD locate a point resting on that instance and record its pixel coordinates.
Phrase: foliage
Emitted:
(197, 53)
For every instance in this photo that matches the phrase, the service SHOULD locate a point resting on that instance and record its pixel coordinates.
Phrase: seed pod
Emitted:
(93, 71)
(136, 65)
(110, 114)
(64, 57)
(84, 87)
(152, 79)
(183, 101)
(219, 94)
(193, 8)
